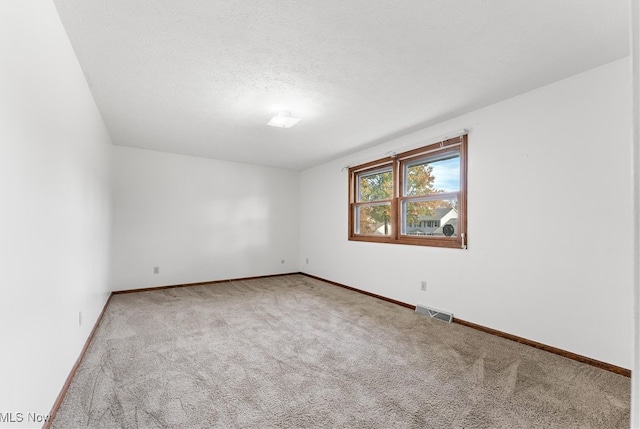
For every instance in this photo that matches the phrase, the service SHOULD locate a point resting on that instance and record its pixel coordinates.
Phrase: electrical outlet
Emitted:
(156, 270)
(79, 318)
(282, 262)
(307, 260)
(423, 286)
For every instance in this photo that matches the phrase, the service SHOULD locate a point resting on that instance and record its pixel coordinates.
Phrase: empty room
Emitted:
(300, 214)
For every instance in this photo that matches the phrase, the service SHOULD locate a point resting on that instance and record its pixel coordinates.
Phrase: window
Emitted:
(375, 195)
(416, 197)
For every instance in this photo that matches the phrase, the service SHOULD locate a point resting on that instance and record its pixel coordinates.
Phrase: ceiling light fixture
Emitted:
(283, 120)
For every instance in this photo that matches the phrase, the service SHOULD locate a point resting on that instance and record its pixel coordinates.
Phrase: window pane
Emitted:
(375, 186)
(429, 176)
(430, 218)
(373, 219)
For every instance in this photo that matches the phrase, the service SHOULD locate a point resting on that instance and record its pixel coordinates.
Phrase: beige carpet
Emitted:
(294, 352)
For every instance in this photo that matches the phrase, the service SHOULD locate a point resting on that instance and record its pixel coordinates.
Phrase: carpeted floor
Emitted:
(295, 352)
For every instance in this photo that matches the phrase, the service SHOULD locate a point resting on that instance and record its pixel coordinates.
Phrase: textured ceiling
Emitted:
(202, 77)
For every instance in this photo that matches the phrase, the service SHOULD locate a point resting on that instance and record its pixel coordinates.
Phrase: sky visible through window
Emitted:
(447, 174)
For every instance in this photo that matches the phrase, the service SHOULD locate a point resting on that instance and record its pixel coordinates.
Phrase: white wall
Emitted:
(547, 170)
(635, 70)
(200, 219)
(54, 208)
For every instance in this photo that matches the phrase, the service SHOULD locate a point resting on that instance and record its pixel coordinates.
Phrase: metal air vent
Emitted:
(436, 314)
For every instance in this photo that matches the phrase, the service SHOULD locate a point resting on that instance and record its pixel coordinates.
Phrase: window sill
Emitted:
(451, 243)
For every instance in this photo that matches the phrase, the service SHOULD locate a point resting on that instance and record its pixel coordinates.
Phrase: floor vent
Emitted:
(436, 314)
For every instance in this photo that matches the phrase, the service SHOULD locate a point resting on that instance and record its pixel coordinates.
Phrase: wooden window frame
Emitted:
(397, 163)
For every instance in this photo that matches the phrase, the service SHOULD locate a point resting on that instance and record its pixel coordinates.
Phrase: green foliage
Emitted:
(373, 217)
(420, 180)
(375, 187)
(379, 186)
